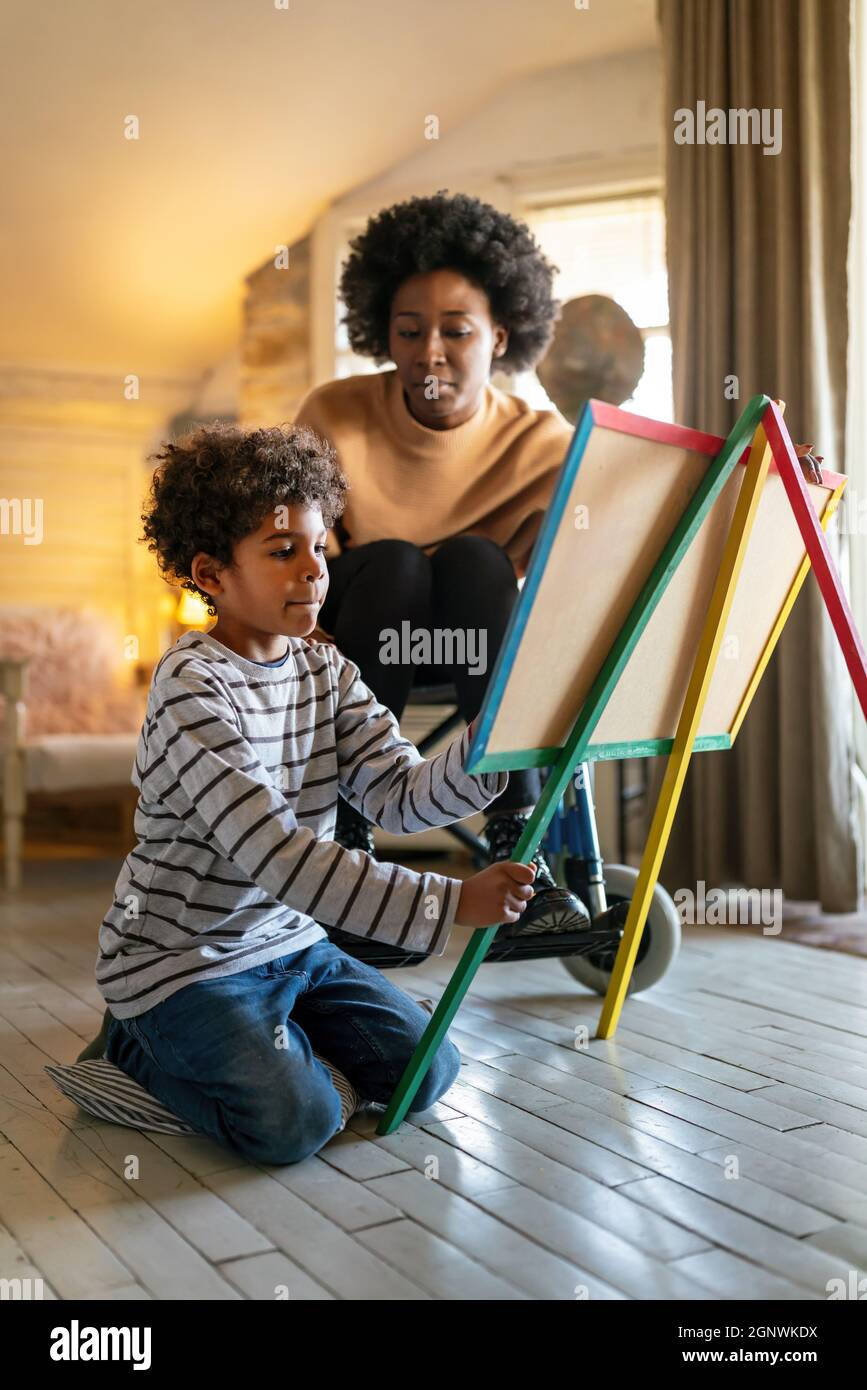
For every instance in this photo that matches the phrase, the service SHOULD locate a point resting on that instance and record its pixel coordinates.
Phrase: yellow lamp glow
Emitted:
(191, 610)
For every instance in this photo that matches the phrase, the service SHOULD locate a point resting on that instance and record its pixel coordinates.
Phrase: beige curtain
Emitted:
(757, 247)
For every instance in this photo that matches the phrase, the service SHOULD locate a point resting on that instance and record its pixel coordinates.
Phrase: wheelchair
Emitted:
(571, 844)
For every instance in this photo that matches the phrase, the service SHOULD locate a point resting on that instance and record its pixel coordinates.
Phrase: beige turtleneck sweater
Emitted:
(492, 476)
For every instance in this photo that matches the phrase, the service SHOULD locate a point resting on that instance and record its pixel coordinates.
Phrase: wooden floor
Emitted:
(715, 1149)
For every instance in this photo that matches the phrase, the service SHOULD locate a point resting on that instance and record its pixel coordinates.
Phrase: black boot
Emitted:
(353, 831)
(551, 909)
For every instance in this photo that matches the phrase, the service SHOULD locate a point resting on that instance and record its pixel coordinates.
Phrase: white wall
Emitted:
(594, 116)
(74, 443)
(220, 390)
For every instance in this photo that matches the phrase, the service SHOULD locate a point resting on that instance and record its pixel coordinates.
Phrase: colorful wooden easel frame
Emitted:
(759, 441)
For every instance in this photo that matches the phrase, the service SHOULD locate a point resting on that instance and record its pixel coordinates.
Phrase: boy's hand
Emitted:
(498, 894)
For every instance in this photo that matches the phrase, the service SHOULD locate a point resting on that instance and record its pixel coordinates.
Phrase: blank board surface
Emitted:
(631, 481)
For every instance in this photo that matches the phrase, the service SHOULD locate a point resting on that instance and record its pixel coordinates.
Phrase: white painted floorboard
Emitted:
(716, 1148)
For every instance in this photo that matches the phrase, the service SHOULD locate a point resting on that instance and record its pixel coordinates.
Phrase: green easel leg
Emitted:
(476, 950)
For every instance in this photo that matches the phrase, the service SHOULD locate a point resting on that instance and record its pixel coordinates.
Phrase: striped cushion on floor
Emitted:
(103, 1090)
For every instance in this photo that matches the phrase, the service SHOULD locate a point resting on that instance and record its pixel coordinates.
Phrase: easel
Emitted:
(761, 429)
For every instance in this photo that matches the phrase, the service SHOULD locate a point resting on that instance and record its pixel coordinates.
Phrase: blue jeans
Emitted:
(234, 1056)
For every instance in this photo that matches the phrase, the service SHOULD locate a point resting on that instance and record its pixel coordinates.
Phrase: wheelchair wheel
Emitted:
(660, 941)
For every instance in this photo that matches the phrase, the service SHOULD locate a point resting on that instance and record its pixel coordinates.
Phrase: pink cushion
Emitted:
(77, 678)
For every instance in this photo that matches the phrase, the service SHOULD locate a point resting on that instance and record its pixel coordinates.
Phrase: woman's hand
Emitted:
(811, 464)
(498, 894)
(318, 635)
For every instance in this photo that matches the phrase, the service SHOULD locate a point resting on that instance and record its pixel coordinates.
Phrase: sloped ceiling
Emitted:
(129, 254)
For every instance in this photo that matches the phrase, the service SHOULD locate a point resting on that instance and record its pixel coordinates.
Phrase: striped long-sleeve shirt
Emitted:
(238, 768)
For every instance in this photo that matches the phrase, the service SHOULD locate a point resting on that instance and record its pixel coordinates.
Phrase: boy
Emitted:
(219, 979)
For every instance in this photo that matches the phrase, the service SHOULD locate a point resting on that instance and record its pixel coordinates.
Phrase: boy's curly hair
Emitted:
(217, 484)
(459, 233)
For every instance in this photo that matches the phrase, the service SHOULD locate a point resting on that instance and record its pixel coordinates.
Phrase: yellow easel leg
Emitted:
(687, 728)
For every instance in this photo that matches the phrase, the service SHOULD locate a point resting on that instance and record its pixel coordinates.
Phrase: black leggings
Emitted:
(467, 584)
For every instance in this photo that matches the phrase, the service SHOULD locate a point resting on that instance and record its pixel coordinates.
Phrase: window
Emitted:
(615, 247)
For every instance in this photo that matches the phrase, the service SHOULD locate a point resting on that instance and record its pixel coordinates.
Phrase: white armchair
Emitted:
(63, 757)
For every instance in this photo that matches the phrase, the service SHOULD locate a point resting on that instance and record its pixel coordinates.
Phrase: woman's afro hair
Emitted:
(218, 483)
(459, 233)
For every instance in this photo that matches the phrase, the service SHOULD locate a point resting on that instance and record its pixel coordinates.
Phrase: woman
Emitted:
(449, 476)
